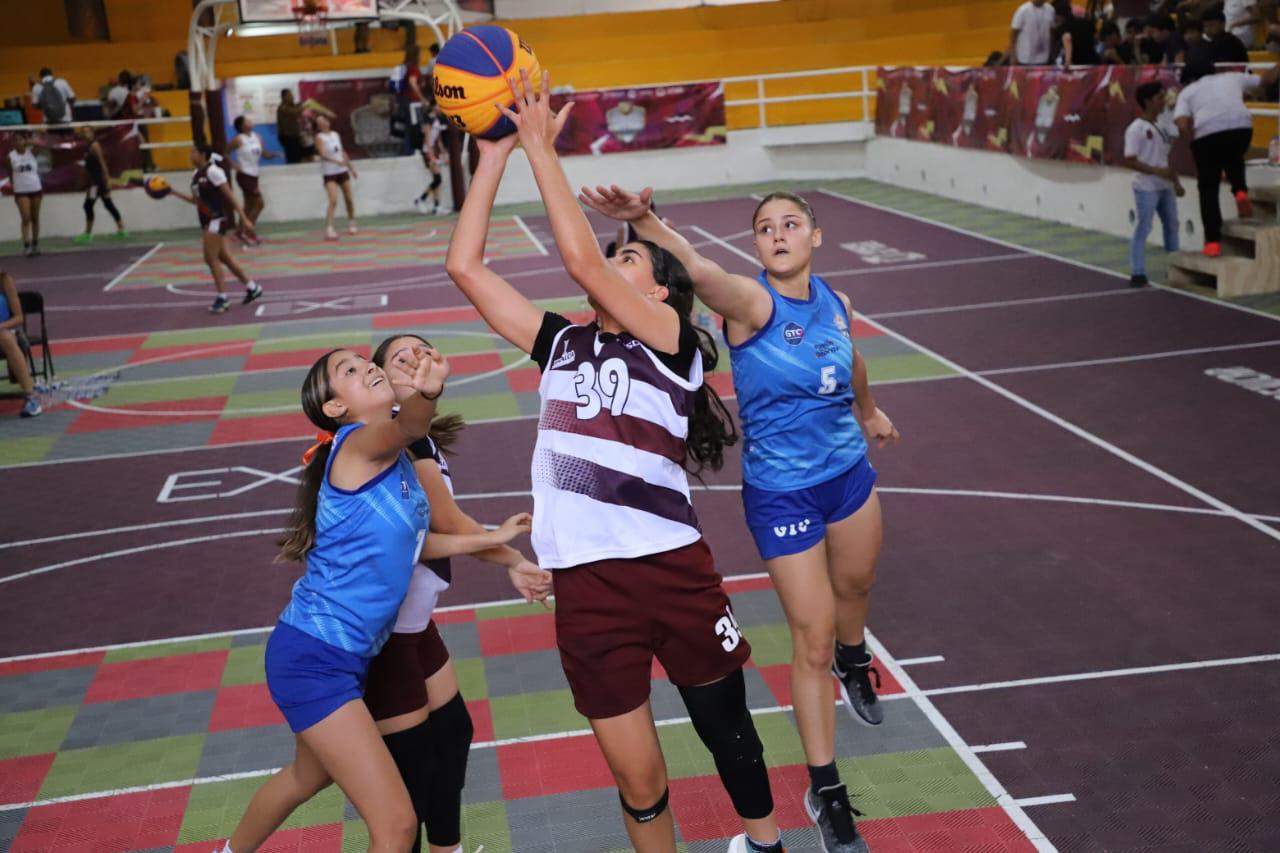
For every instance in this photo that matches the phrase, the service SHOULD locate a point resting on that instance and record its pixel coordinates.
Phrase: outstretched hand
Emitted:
(428, 370)
(536, 126)
(533, 583)
(617, 203)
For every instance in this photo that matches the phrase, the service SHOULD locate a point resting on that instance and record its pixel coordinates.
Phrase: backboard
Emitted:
(277, 11)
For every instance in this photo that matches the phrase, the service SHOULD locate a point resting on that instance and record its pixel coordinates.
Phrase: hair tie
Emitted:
(322, 438)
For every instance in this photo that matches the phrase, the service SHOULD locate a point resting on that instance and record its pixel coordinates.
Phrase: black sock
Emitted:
(825, 776)
(850, 656)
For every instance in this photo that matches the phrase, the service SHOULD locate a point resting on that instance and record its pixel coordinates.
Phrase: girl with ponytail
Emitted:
(625, 415)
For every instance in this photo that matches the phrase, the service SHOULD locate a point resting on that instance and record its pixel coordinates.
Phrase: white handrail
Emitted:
(113, 122)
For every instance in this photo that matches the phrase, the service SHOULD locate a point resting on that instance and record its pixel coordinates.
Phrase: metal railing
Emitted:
(73, 125)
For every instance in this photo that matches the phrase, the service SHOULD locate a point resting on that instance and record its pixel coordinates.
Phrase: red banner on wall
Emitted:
(61, 158)
(1078, 115)
(360, 110)
(604, 121)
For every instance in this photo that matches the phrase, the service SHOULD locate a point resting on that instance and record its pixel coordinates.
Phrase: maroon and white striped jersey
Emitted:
(608, 481)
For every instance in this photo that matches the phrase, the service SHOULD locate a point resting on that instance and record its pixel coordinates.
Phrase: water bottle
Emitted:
(1273, 155)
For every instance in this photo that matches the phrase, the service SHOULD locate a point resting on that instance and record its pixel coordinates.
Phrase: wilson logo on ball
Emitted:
(455, 92)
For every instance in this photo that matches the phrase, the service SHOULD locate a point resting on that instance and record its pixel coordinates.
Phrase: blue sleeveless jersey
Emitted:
(367, 543)
(794, 381)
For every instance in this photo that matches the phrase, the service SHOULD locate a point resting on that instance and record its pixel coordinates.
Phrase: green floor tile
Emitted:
(471, 681)
(187, 388)
(898, 784)
(355, 337)
(781, 740)
(244, 666)
(916, 366)
(684, 752)
(194, 337)
(770, 644)
(506, 611)
(259, 403)
(213, 810)
(485, 824)
(462, 344)
(162, 650)
(35, 732)
(105, 768)
(15, 451)
(539, 713)
(355, 837)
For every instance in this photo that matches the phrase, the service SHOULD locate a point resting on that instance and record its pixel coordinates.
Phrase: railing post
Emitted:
(764, 122)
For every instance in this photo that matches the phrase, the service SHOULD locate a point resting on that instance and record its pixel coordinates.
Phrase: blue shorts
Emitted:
(785, 523)
(308, 678)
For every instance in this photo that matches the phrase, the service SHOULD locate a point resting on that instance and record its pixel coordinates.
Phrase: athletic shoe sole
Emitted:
(857, 718)
(861, 844)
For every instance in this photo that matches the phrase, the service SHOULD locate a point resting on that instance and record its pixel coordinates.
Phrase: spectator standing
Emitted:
(28, 191)
(289, 127)
(1031, 36)
(1156, 187)
(1211, 112)
(1224, 46)
(54, 96)
(1076, 36)
(120, 97)
(1243, 17)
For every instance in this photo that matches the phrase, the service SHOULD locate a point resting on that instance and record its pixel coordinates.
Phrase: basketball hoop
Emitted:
(312, 17)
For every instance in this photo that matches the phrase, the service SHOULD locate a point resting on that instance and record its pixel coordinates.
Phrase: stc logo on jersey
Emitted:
(793, 333)
(782, 531)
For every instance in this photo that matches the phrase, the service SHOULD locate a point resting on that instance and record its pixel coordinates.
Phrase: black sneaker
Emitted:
(858, 694)
(220, 305)
(250, 294)
(1138, 281)
(832, 814)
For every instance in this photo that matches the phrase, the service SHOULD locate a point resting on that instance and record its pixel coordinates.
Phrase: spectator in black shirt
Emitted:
(1111, 50)
(1224, 46)
(1193, 40)
(1158, 47)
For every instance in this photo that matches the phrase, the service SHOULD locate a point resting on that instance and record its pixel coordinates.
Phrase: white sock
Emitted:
(252, 285)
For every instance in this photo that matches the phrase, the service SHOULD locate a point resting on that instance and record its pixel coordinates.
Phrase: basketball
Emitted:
(471, 74)
(157, 187)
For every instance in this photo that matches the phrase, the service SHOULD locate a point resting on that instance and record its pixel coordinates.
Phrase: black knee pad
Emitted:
(645, 815)
(723, 723)
(88, 206)
(436, 180)
(451, 732)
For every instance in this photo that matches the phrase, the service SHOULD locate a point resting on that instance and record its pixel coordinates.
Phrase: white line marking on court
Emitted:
(133, 266)
(918, 661)
(136, 528)
(1002, 797)
(1005, 303)
(528, 232)
(989, 259)
(1050, 800)
(1101, 674)
(1081, 264)
(1007, 746)
(1125, 359)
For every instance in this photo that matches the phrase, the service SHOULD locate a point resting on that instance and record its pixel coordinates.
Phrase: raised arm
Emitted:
(735, 297)
(648, 319)
(507, 311)
(381, 442)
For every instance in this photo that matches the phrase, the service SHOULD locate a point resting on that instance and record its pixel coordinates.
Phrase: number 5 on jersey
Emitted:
(828, 379)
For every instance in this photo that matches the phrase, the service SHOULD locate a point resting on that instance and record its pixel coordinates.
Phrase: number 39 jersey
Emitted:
(794, 381)
(608, 481)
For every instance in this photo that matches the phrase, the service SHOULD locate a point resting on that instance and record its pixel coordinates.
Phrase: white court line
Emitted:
(989, 259)
(1002, 797)
(884, 490)
(1050, 800)
(1081, 264)
(133, 266)
(1005, 303)
(918, 661)
(542, 250)
(1125, 359)
(1102, 674)
(1007, 746)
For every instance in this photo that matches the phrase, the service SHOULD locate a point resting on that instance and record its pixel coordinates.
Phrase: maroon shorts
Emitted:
(397, 680)
(614, 616)
(248, 184)
(337, 179)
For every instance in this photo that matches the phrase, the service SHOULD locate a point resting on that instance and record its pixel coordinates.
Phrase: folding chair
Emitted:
(32, 304)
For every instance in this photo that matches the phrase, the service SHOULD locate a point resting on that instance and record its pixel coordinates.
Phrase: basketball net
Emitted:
(312, 17)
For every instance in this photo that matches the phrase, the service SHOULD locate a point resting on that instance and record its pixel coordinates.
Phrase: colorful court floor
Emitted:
(158, 747)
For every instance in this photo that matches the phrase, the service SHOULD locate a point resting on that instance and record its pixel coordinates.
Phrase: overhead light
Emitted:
(255, 30)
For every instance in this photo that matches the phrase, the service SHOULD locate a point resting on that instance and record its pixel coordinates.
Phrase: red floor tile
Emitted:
(124, 417)
(53, 662)
(552, 767)
(157, 676)
(425, 318)
(21, 778)
(294, 358)
(703, 810)
(988, 830)
(453, 617)
(192, 352)
(325, 838)
(517, 634)
(721, 383)
(244, 706)
(863, 329)
(733, 585)
(105, 825)
(292, 425)
(481, 719)
(76, 346)
(524, 379)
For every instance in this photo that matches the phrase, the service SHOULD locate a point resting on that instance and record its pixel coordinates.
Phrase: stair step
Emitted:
(1198, 263)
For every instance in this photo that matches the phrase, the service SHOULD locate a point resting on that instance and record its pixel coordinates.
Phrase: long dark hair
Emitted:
(711, 427)
(445, 429)
(301, 535)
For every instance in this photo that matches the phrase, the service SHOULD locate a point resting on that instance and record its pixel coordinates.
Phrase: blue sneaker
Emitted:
(31, 407)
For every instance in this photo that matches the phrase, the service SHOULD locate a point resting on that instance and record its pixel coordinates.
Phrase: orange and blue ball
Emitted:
(470, 78)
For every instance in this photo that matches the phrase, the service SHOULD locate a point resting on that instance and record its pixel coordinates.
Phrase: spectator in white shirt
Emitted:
(1243, 18)
(1156, 186)
(1211, 112)
(1030, 40)
(54, 97)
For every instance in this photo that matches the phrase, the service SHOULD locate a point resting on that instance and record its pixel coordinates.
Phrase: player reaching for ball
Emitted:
(808, 489)
(624, 413)
(215, 204)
